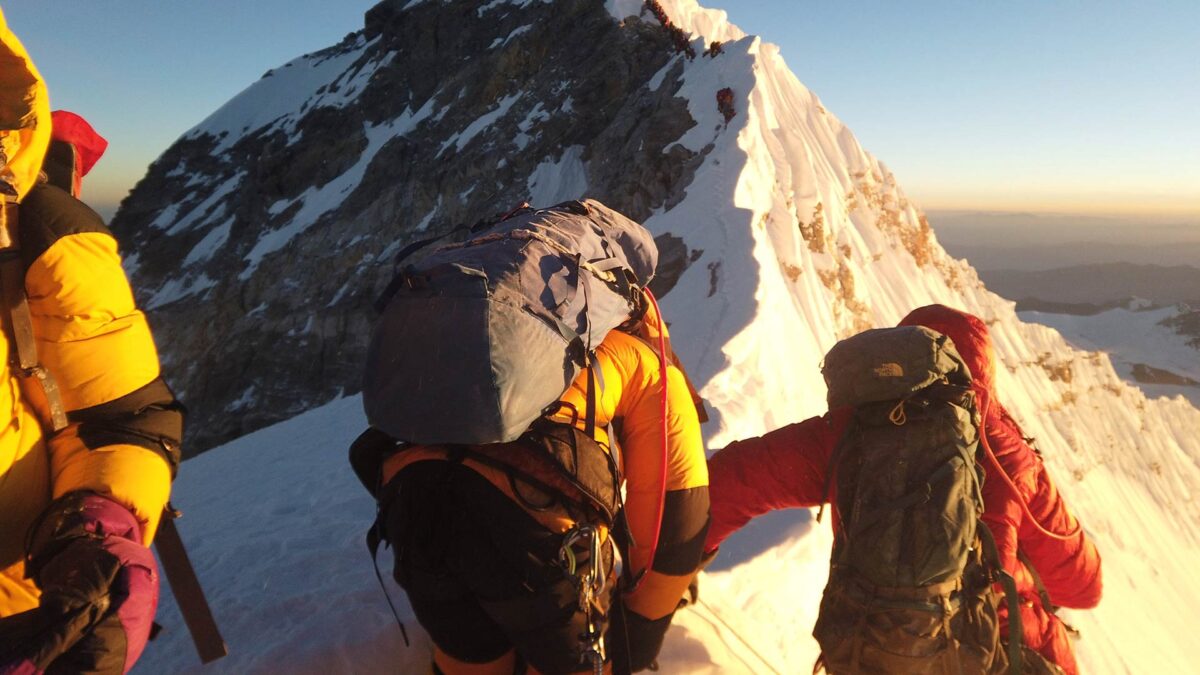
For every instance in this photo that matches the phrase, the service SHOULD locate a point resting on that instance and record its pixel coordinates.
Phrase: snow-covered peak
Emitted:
(700, 22)
(331, 77)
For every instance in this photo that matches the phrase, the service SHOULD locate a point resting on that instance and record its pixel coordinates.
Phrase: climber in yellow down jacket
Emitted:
(92, 437)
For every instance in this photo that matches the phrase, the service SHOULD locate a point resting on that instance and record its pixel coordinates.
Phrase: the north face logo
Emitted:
(888, 370)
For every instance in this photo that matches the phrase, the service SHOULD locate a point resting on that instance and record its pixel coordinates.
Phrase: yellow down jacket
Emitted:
(123, 424)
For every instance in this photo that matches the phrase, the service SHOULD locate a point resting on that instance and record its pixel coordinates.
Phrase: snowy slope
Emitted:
(275, 524)
(800, 237)
(1134, 338)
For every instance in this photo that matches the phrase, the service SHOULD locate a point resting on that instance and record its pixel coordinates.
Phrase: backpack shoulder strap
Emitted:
(1047, 605)
(1016, 632)
(1037, 581)
(20, 321)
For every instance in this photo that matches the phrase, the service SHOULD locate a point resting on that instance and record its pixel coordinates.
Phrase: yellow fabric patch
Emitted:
(90, 335)
(630, 391)
(24, 114)
(658, 595)
(17, 593)
(24, 494)
(632, 394)
(133, 476)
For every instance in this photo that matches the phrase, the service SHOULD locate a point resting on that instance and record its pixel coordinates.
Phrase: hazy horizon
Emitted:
(1020, 240)
(1016, 229)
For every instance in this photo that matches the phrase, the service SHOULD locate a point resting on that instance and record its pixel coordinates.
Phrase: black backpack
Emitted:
(911, 576)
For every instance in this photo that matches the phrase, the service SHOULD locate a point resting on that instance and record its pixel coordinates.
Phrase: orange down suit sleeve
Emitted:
(630, 398)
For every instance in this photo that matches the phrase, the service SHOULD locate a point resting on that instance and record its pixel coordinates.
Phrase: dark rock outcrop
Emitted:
(1187, 324)
(258, 247)
(1147, 374)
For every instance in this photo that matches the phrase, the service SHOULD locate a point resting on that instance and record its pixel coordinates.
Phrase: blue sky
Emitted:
(1071, 105)
(1061, 105)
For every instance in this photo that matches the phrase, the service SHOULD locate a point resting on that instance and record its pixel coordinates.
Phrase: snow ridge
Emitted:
(331, 77)
(1161, 361)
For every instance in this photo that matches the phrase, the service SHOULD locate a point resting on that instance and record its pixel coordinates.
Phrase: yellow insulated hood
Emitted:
(24, 116)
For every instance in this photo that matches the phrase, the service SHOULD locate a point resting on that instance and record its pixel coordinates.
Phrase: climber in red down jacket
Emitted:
(787, 468)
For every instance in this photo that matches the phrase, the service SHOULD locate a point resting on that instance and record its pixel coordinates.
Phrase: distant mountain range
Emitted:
(1157, 348)
(1088, 289)
(1040, 241)
(987, 257)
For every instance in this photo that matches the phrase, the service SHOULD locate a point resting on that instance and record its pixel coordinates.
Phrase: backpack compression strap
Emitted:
(398, 276)
(1047, 604)
(1016, 632)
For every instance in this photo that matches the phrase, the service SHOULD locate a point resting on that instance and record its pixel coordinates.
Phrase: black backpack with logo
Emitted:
(911, 576)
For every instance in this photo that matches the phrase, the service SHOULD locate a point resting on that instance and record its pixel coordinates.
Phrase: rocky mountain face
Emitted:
(263, 236)
(1187, 324)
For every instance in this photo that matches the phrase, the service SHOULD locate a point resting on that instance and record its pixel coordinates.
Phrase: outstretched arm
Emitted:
(785, 468)
(124, 427)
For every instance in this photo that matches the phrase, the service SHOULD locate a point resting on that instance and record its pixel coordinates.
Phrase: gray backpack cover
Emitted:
(481, 336)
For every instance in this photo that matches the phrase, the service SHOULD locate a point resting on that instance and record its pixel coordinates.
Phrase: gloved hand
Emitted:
(99, 592)
(633, 640)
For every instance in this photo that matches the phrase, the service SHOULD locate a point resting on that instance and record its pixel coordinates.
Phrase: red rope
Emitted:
(987, 447)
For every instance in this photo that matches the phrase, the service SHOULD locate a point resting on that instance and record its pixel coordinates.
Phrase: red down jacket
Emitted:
(786, 468)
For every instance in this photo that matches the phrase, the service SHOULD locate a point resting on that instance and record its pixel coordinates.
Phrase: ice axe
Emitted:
(186, 587)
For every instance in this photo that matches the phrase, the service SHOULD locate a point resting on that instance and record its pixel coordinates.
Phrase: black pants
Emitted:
(482, 575)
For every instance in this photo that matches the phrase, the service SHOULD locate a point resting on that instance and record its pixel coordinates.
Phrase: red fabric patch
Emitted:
(89, 145)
